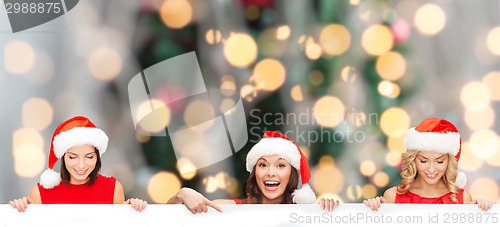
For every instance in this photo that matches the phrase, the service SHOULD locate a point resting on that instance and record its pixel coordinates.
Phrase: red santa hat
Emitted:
(73, 132)
(437, 135)
(279, 144)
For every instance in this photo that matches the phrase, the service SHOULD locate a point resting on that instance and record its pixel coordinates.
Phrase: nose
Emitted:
(81, 163)
(271, 171)
(432, 167)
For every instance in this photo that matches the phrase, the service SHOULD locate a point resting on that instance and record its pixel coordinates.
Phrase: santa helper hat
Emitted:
(437, 135)
(279, 144)
(73, 132)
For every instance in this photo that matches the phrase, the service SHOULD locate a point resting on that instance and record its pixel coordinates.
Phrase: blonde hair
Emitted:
(409, 173)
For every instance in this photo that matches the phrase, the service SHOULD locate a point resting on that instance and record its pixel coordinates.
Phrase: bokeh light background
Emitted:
(361, 72)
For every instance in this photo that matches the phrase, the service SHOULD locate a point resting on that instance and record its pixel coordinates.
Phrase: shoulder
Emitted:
(119, 195)
(390, 195)
(225, 201)
(467, 197)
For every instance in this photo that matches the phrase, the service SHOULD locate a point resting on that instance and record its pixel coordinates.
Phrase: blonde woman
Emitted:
(429, 172)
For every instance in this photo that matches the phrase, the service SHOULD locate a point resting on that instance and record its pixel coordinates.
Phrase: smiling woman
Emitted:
(279, 174)
(429, 172)
(80, 145)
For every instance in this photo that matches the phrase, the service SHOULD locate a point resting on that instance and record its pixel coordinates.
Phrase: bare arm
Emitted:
(119, 196)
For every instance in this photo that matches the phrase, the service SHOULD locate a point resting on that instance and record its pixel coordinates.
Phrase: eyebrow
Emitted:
(261, 158)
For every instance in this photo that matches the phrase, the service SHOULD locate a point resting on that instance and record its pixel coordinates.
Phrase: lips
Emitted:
(431, 176)
(81, 172)
(271, 185)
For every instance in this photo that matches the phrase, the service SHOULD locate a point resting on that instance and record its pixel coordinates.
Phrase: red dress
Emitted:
(410, 197)
(238, 201)
(101, 192)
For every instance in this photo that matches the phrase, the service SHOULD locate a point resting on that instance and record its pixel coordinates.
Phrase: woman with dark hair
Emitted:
(279, 174)
(430, 169)
(79, 145)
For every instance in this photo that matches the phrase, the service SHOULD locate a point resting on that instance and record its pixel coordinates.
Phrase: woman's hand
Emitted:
(483, 204)
(194, 201)
(328, 204)
(137, 204)
(20, 204)
(374, 203)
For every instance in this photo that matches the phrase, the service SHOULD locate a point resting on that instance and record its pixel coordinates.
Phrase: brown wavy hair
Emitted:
(66, 176)
(409, 174)
(254, 194)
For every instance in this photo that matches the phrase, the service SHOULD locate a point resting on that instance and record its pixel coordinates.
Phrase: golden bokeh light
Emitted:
(29, 161)
(37, 113)
(484, 144)
(394, 121)
(316, 78)
(492, 81)
(199, 112)
(482, 119)
(211, 184)
(269, 74)
(296, 93)
(186, 168)
(25, 136)
(105, 63)
(348, 74)
(468, 161)
(329, 111)
(162, 186)
(367, 168)
(213, 36)
(146, 108)
(313, 51)
(396, 90)
(377, 40)
(391, 66)
(396, 143)
(369, 191)
(354, 2)
(485, 188)
(354, 192)
(381, 179)
(335, 39)
(492, 40)
(228, 88)
(18, 57)
(176, 13)
(393, 158)
(430, 19)
(221, 178)
(475, 96)
(240, 50)
(385, 87)
(321, 178)
(283, 32)
(248, 92)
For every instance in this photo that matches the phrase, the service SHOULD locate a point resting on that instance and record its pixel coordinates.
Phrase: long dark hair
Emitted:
(65, 175)
(254, 194)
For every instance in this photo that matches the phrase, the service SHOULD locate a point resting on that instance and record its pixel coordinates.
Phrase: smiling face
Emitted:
(431, 166)
(272, 174)
(80, 161)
